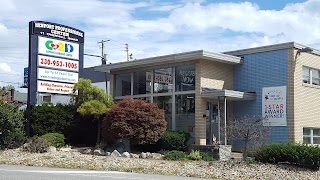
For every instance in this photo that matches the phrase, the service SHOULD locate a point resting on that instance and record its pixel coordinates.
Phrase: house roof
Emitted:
(273, 47)
(170, 59)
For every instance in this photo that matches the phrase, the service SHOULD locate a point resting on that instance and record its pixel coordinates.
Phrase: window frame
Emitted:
(310, 79)
(311, 135)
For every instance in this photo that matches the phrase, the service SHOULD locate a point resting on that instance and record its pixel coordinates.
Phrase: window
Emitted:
(165, 103)
(123, 84)
(185, 78)
(142, 82)
(163, 80)
(311, 136)
(311, 76)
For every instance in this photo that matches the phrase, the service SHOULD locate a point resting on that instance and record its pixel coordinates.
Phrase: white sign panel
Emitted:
(58, 48)
(274, 107)
(53, 87)
(58, 63)
(56, 75)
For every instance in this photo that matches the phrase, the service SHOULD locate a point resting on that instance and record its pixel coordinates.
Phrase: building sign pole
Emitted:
(55, 61)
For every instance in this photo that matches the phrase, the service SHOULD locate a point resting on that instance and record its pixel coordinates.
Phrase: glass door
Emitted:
(212, 123)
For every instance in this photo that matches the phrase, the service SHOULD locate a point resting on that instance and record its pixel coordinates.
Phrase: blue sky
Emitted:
(154, 27)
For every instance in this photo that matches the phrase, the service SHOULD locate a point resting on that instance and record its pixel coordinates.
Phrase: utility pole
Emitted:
(127, 50)
(103, 55)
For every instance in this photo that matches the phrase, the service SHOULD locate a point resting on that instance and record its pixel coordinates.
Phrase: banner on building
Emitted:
(274, 106)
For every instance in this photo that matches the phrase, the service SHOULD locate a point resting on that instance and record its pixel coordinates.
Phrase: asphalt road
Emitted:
(12, 172)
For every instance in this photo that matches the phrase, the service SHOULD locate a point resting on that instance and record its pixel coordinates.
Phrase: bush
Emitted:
(135, 120)
(297, 154)
(175, 156)
(206, 157)
(11, 126)
(174, 140)
(37, 145)
(54, 139)
(48, 118)
(195, 155)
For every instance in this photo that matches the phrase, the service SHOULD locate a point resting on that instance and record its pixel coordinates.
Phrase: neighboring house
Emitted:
(196, 89)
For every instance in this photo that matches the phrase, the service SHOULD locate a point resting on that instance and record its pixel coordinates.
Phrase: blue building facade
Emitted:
(259, 70)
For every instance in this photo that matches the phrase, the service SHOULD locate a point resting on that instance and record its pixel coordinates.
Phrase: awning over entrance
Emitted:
(229, 94)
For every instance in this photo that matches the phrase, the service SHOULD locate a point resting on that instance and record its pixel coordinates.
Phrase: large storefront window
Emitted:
(142, 82)
(163, 80)
(123, 84)
(185, 78)
(185, 114)
(165, 103)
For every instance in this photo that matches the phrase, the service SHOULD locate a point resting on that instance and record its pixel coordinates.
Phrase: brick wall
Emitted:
(214, 75)
(306, 97)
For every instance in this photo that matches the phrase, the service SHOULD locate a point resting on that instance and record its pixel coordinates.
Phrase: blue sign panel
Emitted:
(25, 76)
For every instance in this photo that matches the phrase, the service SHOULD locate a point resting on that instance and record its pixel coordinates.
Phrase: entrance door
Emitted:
(212, 123)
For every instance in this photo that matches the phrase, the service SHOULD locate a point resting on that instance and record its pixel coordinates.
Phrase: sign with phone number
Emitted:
(58, 63)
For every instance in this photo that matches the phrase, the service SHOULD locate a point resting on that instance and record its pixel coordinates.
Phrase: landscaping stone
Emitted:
(143, 155)
(135, 156)
(148, 155)
(232, 169)
(52, 149)
(87, 151)
(115, 153)
(65, 149)
(107, 153)
(156, 155)
(125, 154)
(99, 152)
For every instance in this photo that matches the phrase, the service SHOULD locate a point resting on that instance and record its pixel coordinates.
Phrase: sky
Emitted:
(154, 27)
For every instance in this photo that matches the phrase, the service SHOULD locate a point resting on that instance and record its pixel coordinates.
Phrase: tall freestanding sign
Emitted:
(55, 60)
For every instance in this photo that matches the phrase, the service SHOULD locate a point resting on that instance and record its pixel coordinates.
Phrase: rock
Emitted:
(99, 152)
(143, 155)
(87, 151)
(125, 154)
(52, 149)
(115, 153)
(135, 156)
(65, 149)
(107, 153)
(148, 155)
(156, 156)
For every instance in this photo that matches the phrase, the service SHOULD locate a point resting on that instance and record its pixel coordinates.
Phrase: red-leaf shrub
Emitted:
(135, 120)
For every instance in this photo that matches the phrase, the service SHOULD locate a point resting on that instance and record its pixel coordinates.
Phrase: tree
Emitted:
(135, 120)
(84, 91)
(11, 126)
(250, 130)
(91, 100)
(95, 108)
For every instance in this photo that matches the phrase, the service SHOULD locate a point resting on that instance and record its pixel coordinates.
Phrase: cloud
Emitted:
(4, 67)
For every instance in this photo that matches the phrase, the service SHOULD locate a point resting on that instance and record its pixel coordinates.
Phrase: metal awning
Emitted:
(229, 94)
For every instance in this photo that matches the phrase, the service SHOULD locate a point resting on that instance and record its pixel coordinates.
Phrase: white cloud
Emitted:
(4, 67)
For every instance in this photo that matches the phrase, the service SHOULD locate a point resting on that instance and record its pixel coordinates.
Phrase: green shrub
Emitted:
(37, 145)
(55, 139)
(11, 126)
(175, 155)
(195, 155)
(206, 157)
(48, 118)
(174, 140)
(297, 154)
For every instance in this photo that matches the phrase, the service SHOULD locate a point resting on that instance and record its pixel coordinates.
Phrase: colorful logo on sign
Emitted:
(65, 49)
(59, 46)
